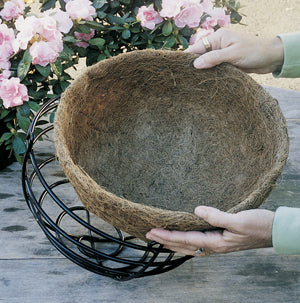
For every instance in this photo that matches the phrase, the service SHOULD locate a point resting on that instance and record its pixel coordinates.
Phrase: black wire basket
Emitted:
(80, 236)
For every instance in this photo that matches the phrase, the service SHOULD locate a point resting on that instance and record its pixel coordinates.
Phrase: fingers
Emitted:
(212, 58)
(191, 239)
(175, 241)
(185, 242)
(216, 218)
(214, 40)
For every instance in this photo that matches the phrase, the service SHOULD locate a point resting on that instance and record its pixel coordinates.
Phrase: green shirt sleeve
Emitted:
(291, 64)
(286, 231)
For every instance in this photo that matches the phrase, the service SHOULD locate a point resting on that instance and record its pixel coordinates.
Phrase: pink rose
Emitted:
(7, 38)
(201, 33)
(190, 14)
(82, 44)
(42, 36)
(12, 92)
(49, 31)
(148, 17)
(64, 22)
(27, 29)
(170, 8)
(4, 75)
(80, 9)
(85, 37)
(217, 17)
(207, 5)
(43, 53)
(12, 9)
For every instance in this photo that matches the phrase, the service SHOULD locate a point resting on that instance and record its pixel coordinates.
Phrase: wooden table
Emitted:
(32, 270)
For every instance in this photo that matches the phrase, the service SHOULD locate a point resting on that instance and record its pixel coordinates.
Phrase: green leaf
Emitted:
(43, 70)
(101, 14)
(57, 67)
(64, 85)
(94, 25)
(135, 30)
(99, 42)
(169, 43)
(24, 109)
(52, 116)
(66, 53)
(34, 106)
(126, 34)
(18, 145)
(160, 39)
(5, 137)
(114, 3)
(4, 113)
(167, 29)
(98, 3)
(47, 4)
(57, 89)
(37, 95)
(24, 65)
(24, 122)
(69, 39)
(101, 57)
(83, 28)
(183, 41)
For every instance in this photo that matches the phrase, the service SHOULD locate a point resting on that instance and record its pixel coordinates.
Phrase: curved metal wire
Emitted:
(111, 254)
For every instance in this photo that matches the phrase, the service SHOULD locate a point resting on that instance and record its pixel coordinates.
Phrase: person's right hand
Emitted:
(251, 54)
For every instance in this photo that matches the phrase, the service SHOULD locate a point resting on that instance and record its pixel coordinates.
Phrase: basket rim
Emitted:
(73, 171)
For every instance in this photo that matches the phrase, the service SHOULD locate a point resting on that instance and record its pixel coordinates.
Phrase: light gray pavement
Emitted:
(32, 270)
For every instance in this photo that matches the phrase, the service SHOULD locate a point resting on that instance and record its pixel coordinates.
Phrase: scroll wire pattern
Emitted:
(81, 237)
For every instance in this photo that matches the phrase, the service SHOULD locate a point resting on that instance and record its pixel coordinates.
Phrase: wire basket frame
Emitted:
(76, 233)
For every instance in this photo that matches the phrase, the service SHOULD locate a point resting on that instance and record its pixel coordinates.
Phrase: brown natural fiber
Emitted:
(144, 138)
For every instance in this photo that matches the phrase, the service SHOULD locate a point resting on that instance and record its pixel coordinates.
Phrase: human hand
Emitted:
(251, 54)
(245, 230)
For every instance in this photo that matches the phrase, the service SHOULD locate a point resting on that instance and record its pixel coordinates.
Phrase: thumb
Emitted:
(215, 217)
(212, 59)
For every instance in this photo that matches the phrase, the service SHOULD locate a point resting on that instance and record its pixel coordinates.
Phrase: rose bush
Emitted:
(37, 50)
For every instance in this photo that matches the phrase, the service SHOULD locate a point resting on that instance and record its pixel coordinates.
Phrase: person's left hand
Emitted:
(245, 230)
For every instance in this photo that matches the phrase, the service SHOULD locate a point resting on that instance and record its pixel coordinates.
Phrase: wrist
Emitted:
(277, 50)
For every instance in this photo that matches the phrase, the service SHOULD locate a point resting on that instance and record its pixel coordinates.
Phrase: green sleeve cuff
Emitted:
(291, 64)
(286, 231)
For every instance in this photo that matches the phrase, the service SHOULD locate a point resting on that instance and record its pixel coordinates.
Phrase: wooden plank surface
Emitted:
(32, 270)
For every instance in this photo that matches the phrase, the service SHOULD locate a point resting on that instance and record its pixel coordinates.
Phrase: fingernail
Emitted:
(201, 211)
(199, 63)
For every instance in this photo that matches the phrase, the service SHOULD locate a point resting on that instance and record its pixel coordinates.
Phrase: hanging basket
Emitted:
(144, 138)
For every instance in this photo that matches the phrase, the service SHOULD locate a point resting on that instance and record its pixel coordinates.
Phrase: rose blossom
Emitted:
(12, 9)
(49, 31)
(43, 53)
(84, 37)
(207, 5)
(42, 36)
(149, 17)
(80, 9)
(217, 17)
(4, 75)
(190, 14)
(12, 92)
(7, 38)
(27, 29)
(64, 22)
(170, 8)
